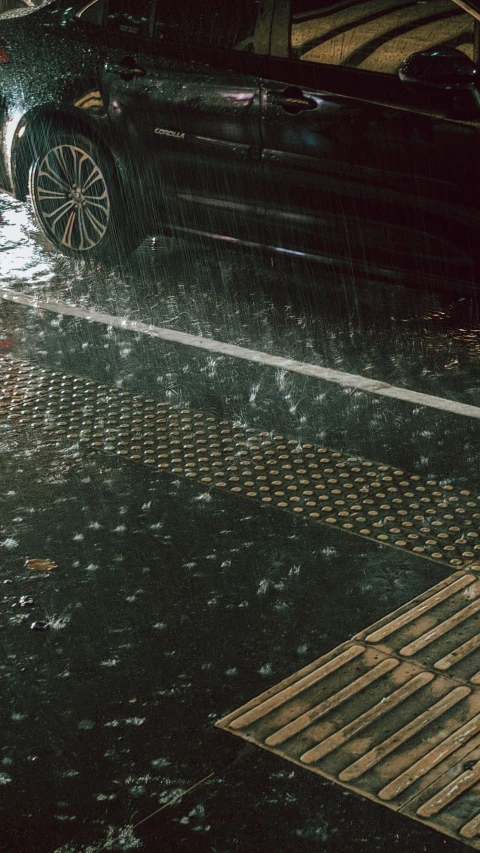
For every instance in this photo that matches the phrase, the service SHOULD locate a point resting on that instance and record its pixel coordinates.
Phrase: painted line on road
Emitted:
(313, 371)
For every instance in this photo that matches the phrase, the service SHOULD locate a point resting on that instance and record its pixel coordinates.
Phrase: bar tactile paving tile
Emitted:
(393, 727)
(439, 629)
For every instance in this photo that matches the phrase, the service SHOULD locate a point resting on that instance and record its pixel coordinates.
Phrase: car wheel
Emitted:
(77, 199)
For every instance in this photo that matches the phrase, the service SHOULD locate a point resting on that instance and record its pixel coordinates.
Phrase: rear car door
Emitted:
(187, 101)
(346, 142)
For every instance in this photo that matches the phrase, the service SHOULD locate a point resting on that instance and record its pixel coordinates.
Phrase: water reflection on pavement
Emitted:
(427, 339)
(171, 604)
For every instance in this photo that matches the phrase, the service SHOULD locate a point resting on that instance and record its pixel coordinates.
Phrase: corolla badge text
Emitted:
(164, 132)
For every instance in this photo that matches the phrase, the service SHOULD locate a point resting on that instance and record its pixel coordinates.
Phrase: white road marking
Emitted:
(315, 371)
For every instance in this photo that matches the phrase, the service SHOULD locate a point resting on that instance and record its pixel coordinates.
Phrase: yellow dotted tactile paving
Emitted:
(394, 714)
(374, 501)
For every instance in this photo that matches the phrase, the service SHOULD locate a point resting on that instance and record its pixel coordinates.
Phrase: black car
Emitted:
(345, 128)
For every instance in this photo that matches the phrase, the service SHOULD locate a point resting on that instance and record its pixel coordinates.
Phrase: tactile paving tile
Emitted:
(393, 715)
(385, 727)
(378, 502)
(451, 801)
(439, 629)
(415, 513)
(19, 381)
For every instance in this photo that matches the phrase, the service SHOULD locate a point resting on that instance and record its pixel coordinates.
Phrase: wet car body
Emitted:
(252, 139)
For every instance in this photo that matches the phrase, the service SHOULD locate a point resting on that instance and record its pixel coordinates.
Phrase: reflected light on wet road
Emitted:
(21, 259)
(166, 570)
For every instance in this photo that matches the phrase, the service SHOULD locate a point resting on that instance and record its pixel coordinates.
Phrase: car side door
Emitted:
(346, 141)
(191, 112)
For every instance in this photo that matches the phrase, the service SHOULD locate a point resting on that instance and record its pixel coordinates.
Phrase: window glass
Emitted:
(376, 35)
(216, 23)
(129, 16)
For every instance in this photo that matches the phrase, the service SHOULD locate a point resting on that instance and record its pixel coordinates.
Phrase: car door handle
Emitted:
(292, 100)
(126, 68)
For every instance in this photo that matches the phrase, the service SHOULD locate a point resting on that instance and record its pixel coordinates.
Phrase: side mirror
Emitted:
(440, 68)
(448, 79)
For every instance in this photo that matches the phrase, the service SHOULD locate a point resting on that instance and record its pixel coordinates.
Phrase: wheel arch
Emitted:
(38, 124)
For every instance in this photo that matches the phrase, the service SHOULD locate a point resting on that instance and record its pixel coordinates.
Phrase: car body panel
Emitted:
(196, 136)
(202, 139)
(365, 146)
(48, 93)
(193, 119)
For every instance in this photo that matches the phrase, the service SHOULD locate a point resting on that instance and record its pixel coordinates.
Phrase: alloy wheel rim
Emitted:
(72, 198)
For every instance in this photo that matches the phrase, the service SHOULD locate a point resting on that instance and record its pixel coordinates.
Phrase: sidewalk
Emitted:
(168, 606)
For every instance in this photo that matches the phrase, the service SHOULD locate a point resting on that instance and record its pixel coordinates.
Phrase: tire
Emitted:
(77, 199)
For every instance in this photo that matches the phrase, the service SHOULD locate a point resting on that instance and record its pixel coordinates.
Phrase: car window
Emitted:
(131, 17)
(376, 35)
(215, 24)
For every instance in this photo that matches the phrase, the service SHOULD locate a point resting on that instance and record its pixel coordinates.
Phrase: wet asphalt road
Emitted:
(172, 604)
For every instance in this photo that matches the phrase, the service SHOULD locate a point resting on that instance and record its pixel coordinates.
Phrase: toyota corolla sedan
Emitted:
(337, 128)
